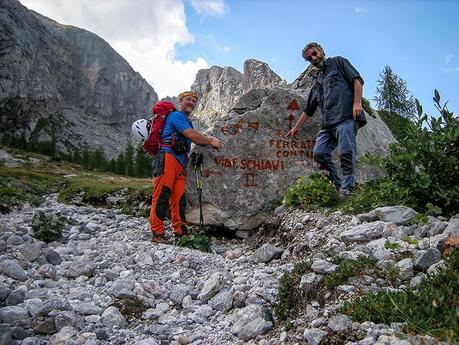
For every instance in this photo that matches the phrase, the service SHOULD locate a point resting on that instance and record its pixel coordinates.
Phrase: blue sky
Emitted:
(167, 41)
(419, 39)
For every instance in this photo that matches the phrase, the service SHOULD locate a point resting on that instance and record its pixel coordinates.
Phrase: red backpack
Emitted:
(160, 112)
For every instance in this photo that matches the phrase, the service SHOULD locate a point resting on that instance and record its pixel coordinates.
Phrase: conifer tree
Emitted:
(120, 164)
(393, 96)
(142, 164)
(129, 159)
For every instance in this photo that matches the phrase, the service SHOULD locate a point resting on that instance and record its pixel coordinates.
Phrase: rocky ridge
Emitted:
(104, 282)
(66, 86)
(219, 88)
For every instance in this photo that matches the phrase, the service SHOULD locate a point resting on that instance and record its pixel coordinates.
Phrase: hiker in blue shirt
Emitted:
(169, 167)
(338, 93)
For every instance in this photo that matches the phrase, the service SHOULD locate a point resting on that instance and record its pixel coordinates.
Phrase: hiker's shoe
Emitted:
(183, 231)
(155, 238)
(177, 236)
(344, 193)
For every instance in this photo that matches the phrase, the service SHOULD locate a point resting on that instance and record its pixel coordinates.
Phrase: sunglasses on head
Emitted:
(313, 54)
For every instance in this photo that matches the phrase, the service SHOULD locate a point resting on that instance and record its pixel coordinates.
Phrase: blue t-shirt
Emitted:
(176, 123)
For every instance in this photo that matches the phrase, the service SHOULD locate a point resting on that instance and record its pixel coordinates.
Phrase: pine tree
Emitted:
(129, 159)
(120, 164)
(393, 96)
(98, 160)
(142, 163)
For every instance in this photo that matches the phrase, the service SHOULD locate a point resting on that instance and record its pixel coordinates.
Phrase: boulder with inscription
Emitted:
(257, 163)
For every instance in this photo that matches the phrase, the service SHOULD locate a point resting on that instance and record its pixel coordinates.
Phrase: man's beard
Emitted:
(320, 64)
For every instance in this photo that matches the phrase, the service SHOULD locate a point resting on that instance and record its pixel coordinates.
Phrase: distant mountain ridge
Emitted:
(65, 85)
(219, 88)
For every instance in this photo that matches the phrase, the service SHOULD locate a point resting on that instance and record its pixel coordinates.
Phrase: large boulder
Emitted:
(256, 163)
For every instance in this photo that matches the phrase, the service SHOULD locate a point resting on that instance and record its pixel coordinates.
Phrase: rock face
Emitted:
(220, 88)
(65, 86)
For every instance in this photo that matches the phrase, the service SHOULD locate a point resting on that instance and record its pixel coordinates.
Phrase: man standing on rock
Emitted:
(338, 91)
(169, 167)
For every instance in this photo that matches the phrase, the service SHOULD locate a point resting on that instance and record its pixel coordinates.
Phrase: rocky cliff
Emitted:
(65, 85)
(220, 88)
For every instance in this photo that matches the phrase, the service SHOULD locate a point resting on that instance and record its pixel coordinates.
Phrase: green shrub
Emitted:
(396, 123)
(48, 228)
(410, 240)
(431, 309)
(197, 240)
(422, 169)
(426, 160)
(290, 298)
(376, 194)
(311, 192)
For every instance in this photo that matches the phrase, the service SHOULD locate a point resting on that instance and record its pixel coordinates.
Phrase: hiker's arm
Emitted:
(358, 90)
(303, 118)
(201, 139)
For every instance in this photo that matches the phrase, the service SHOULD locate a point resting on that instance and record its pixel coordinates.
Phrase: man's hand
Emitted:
(292, 132)
(356, 109)
(215, 142)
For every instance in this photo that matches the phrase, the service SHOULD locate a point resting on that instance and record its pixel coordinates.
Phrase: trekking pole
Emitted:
(196, 161)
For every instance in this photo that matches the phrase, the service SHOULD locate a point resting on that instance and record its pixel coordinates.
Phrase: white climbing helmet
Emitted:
(140, 130)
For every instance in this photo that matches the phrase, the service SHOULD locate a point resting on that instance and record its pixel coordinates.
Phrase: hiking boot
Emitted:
(344, 193)
(183, 232)
(156, 238)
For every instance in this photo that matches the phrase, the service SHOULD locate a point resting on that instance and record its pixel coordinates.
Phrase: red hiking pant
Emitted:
(169, 190)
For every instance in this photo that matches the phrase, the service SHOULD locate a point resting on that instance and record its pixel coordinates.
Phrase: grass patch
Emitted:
(363, 265)
(21, 186)
(411, 240)
(391, 245)
(431, 309)
(137, 202)
(95, 189)
(349, 268)
(290, 298)
(39, 175)
(375, 194)
(131, 309)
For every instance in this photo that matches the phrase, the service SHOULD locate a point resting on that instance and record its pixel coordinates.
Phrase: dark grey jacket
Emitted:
(333, 92)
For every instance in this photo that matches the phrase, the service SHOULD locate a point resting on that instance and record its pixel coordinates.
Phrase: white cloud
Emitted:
(360, 10)
(448, 58)
(223, 48)
(454, 70)
(209, 7)
(144, 32)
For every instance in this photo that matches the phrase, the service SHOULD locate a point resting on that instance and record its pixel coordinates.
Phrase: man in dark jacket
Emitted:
(338, 92)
